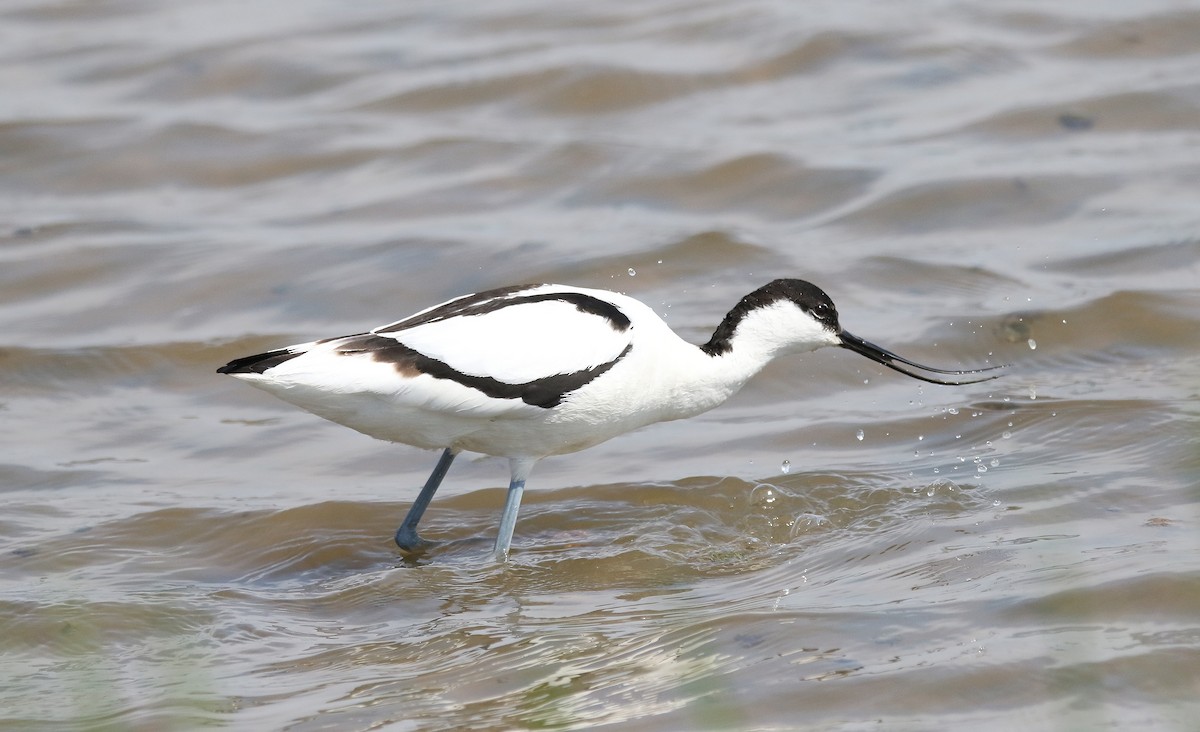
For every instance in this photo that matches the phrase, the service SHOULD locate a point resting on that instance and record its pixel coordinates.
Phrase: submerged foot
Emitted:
(408, 540)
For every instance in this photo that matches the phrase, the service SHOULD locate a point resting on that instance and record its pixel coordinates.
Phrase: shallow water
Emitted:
(836, 548)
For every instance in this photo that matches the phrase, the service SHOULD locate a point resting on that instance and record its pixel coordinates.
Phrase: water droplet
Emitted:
(1006, 434)
(860, 435)
(632, 272)
(981, 468)
(995, 462)
(763, 495)
(920, 437)
(1032, 393)
(786, 467)
(952, 410)
(1032, 344)
(996, 502)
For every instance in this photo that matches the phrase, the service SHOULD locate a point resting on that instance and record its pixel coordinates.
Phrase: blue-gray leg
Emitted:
(406, 535)
(512, 506)
(508, 522)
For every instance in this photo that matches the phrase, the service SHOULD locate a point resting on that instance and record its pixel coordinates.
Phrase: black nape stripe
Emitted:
(258, 363)
(490, 301)
(546, 392)
(805, 295)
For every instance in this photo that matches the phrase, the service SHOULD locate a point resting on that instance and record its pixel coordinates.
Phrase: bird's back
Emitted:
(500, 372)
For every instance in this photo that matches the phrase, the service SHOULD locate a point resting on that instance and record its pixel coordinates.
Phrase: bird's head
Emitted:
(794, 316)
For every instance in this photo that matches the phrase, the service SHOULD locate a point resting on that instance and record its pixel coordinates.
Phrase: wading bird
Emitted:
(535, 370)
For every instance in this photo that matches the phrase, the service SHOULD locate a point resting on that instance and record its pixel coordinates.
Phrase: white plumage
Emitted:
(536, 370)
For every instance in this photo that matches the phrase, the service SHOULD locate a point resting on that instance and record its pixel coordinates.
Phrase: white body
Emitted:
(660, 377)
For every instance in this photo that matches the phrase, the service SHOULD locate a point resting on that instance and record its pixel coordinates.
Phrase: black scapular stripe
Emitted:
(490, 301)
(546, 392)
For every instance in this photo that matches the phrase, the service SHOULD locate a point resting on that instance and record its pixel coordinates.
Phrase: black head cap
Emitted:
(807, 296)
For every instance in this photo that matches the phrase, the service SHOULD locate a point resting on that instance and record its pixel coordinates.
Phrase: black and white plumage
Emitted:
(535, 370)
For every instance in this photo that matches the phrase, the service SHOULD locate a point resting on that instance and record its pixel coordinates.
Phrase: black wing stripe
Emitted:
(546, 392)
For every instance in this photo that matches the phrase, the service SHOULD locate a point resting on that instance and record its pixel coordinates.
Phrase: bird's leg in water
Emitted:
(512, 505)
(406, 535)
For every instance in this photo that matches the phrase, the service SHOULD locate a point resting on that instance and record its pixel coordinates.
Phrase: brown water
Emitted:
(838, 548)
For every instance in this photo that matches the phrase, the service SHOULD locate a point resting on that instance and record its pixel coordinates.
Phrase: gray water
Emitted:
(837, 548)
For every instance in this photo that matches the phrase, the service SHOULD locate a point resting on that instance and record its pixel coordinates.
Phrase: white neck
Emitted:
(711, 380)
(699, 381)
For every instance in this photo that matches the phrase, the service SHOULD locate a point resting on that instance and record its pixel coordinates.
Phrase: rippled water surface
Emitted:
(836, 548)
